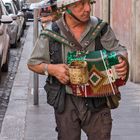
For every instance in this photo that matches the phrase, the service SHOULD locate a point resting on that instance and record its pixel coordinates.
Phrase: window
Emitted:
(9, 8)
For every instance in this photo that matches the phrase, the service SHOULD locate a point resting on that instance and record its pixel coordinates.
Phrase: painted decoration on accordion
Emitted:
(98, 68)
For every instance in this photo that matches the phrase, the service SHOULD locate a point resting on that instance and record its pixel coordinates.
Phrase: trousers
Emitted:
(76, 117)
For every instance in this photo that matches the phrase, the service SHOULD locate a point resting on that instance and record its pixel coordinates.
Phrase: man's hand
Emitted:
(60, 71)
(46, 19)
(121, 68)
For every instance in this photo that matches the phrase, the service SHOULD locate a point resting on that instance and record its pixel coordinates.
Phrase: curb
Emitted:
(13, 126)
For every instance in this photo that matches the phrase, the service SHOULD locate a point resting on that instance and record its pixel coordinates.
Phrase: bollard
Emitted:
(35, 75)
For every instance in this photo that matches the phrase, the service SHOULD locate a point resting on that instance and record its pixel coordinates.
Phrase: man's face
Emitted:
(81, 10)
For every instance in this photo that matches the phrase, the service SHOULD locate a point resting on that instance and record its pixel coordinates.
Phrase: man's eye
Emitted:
(92, 1)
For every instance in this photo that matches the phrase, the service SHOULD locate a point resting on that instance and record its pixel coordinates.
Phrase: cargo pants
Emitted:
(76, 117)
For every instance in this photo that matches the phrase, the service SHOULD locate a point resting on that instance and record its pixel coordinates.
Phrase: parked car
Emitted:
(12, 10)
(28, 12)
(12, 27)
(19, 5)
(13, 31)
(4, 40)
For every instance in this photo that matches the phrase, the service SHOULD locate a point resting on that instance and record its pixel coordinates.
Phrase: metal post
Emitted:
(36, 77)
(109, 11)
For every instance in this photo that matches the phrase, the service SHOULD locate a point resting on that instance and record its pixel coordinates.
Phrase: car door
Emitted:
(20, 20)
(2, 36)
(4, 44)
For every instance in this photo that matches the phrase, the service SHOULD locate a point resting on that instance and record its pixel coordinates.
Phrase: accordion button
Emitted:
(86, 43)
(72, 44)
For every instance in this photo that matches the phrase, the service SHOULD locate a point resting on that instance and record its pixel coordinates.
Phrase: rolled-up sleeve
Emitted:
(40, 53)
(110, 42)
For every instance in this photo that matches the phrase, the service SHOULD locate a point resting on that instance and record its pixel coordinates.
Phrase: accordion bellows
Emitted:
(92, 74)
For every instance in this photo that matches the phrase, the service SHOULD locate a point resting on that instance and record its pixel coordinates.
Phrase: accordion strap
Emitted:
(94, 32)
(73, 43)
(55, 36)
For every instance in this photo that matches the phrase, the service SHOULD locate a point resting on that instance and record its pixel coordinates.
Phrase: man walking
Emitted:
(92, 115)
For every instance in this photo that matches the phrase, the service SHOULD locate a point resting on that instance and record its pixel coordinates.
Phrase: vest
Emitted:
(93, 104)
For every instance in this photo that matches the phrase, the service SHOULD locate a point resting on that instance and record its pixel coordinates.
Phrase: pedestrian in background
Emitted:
(47, 16)
(92, 115)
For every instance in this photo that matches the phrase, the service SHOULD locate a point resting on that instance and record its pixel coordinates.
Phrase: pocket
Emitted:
(52, 92)
(106, 122)
(106, 116)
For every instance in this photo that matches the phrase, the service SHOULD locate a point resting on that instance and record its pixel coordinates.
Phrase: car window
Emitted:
(9, 8)
(17, 4)
(16, 10)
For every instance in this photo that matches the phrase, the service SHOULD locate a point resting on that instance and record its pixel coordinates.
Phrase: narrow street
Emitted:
(25, 121)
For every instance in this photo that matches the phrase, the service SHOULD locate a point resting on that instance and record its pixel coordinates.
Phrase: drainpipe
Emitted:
(109, 11)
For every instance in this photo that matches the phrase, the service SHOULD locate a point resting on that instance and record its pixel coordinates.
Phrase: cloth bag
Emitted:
(55, 95)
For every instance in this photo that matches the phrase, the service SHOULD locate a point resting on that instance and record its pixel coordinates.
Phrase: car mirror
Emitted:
(6, 19)
(13, 16)
(20, 14)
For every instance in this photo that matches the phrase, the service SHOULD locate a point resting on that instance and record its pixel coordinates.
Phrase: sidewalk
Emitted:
(25, 121)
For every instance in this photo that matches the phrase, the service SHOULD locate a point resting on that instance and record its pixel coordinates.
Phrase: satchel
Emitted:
(55, 95)
(113, 101)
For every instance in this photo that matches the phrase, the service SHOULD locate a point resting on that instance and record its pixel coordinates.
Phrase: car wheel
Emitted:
(15, 44)
(22, 32)
(19, 39)
(24, 25)
(5, 66)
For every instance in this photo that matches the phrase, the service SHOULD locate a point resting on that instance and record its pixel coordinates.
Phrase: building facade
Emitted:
(124, 18)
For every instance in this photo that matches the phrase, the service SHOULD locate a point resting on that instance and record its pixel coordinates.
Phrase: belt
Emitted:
(96, 104)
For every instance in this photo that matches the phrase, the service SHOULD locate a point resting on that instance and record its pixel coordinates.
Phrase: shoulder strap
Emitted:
(94, 33)
(98, 45)
(54, 35)
(55, 47)
(91, 36)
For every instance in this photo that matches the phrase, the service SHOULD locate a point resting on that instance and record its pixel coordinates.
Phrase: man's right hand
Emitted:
(60, 71)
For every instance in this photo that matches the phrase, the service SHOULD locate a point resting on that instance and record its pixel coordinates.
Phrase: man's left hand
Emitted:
(121, 68)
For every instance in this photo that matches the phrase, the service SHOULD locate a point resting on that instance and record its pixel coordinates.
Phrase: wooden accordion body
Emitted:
(92, 74)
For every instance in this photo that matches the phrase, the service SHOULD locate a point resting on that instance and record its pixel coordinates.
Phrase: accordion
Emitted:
(92, 74)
